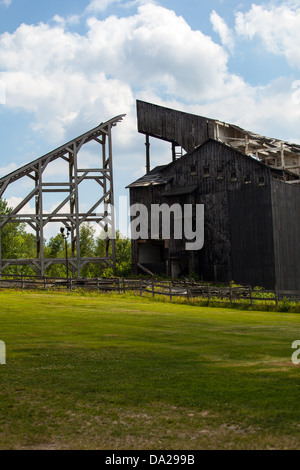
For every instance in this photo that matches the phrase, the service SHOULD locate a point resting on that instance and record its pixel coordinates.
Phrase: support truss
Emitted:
(103, 176)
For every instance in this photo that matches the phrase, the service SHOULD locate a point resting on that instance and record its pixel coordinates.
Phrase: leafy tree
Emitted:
(123, 255)
(55, 249)
(16, 243)
(87, 249)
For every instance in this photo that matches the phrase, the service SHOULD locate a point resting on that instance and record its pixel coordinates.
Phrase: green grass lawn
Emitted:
(121, 372)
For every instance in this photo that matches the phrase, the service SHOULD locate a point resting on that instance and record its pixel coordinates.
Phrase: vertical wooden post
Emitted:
(208, 292)
(251, 298)
(39, 193)
(0, 253)
(141, 287)
(188, 293)
(173, 152)
(230, 293)
(276, 298)
(153, 292)
(147, 154)
(170, 291)
(120, 286)
(76, 206)
(109, 176)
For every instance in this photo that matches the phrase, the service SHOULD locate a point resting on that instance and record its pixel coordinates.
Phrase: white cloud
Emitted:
(70, 20)
(70, 81)
(278, 27)
(14, 201)
(220, 27)
(7, 169)
(6, 3)
(144, 50)
(64, 78)
(97, 6)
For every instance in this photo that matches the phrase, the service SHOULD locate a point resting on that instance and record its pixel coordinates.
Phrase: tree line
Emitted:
(17, 243)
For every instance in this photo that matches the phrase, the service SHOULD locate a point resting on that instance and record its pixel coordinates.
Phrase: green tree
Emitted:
(16, 243)
(87, 249)
(55, 248)
(123, 255)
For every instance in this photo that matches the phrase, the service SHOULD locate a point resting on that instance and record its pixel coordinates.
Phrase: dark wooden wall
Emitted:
(218, 171)
(187, 130)
(286, 227)
(252, 223)
(252, 243)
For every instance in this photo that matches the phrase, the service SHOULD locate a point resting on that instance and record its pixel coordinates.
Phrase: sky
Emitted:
(67, 66)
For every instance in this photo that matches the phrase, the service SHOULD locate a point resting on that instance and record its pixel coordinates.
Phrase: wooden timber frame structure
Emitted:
(73, 218)
(187, 131)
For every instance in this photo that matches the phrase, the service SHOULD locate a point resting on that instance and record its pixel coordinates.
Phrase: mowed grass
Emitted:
(120, 372)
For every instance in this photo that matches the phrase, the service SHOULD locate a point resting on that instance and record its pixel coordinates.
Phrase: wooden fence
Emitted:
(170, 289)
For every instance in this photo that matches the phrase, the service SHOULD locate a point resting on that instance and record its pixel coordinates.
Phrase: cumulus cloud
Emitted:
(278, 27)
(97, 6)
(70, 20)
(65, 79)
(7, 169)
(144, 50)
(6, 3)
(220, 27)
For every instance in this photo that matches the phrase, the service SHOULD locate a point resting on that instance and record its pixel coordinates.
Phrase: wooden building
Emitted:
(249, 185)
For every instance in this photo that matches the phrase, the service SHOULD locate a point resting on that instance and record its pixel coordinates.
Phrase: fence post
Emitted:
(251, 298)
(71, 284)
(153, 292)
(124, 286)
(230, 291)
(141, 288)
(44, 282)
(22, 282)
(170, 291)
(208, 292)
(276, 298)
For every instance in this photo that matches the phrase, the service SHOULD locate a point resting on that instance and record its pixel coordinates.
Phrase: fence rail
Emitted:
(170, 289)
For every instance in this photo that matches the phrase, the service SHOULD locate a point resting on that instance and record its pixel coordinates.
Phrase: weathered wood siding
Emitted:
(286, 228)
(252, 244)
(217, 171)
(187, 130)
(252, 223)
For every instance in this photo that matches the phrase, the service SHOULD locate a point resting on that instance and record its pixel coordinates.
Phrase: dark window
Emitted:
(206, 172)
(233, 177)
(247, 179)
(220, 174)
(261, 181)
(193, 170)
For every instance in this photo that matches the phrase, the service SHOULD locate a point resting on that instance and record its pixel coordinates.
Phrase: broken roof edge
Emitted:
(143, 181)
(253, 135)
(150, 179)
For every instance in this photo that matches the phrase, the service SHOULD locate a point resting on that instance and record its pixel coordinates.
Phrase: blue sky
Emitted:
(66, 66)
